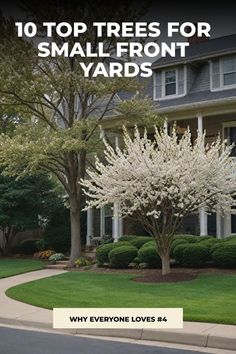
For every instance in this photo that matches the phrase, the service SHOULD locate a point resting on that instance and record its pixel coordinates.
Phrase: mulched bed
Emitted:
(173, 277)
(154, 275)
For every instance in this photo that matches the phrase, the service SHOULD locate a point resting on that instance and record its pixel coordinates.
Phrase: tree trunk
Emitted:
(6, 244)
(76, 250)
(165, 260)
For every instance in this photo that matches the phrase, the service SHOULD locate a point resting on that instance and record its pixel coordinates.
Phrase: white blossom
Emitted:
(162, 180)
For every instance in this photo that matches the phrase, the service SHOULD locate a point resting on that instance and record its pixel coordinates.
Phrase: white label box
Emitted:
(122, 318)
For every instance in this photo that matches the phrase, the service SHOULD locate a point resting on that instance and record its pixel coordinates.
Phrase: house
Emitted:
(197, 91)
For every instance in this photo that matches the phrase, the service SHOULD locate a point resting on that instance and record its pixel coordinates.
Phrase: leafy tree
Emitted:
(161, 181)
(22, 202)
(65, 108)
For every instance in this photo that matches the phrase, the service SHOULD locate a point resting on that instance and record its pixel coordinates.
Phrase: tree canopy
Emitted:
(162, 180)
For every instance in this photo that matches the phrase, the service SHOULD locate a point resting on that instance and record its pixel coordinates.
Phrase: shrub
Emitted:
(176, 242)
(127, 238)
(57, 231)
(150, 243)
(216, 245)
(82, 262)
(187, 237)
(139, 241)
(209, 242)
(231, 240)
(45, 254)
(196, 255)
(122, 256)
(148, 254)
(102, 251)
(179, 252)
(205, 238)
(28, 247)
(56, 257)
(225, 255)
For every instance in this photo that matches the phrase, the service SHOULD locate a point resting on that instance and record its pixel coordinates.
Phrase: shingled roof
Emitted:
(200, 50)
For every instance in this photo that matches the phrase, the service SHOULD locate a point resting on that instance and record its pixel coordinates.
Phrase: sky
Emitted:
(220, 15)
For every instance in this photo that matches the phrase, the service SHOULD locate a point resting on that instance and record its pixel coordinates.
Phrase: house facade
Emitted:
(199, 92)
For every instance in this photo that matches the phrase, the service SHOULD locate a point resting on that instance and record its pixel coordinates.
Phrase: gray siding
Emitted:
(215, 72)
(202, 81)
(158, 85)
(191, 76)
(181, 82)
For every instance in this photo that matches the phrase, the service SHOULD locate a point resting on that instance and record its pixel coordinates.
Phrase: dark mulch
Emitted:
(169, 278)
(177, 274)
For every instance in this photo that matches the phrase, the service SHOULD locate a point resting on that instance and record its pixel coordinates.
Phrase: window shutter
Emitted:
(181, 80)
(215, 74)
(158, 85)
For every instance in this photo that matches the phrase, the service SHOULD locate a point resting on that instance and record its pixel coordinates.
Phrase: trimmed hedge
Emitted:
(128, 238)
(225, 255)
(231, 240)
(186, 237)
(175, 243)
(139, 241)
(102, 251)
(148, 254)
(210, 242)
(122, 256)
(196, 255)
(178, 252)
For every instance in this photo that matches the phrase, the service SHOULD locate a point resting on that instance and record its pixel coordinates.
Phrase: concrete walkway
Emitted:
(13, 312)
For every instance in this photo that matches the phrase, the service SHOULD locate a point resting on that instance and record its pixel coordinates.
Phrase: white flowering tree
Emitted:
(162, 180)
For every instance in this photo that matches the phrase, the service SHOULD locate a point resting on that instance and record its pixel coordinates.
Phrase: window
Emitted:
(230, 135)
(170, 83)
(229, 71)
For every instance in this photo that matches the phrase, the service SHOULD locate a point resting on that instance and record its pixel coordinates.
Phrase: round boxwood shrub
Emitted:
(178, 252)
(196, 255)
(139, 241)
(122, 256)
(209, 242)
(205, 238)
(225, 256)
(216, 245)
(176, 242)
(186, 237)
(127, 238)
(149, 243)
(231, 240)
(148, 254)
(102, 251)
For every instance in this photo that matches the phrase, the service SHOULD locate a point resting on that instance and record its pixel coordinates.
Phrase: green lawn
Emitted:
(9, 267)
(209, 298)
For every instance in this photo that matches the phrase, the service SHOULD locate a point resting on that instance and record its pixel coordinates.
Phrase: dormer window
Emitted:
(170, 82)
(229, 71)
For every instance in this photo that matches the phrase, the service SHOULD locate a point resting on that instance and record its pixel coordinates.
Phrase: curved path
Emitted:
(17, 313)
(13, 312)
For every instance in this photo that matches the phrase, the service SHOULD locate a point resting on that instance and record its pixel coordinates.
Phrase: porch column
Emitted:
(227, 225)
(218, 225)
(202, 213)
(102, 222)
(165, 126)
(89, 234)
(115, 222)
(120, 227)
(203, 222)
